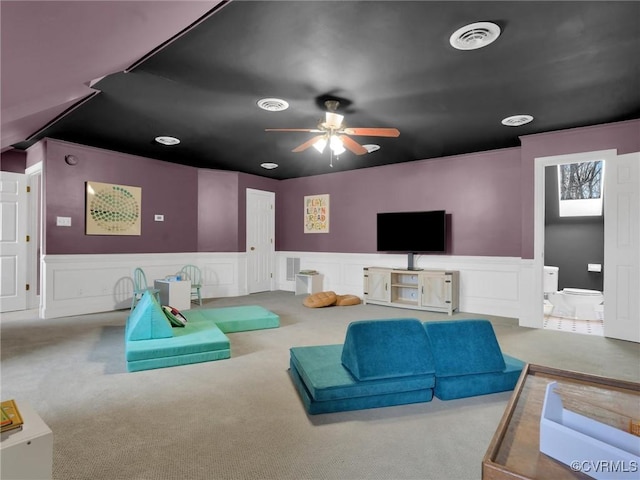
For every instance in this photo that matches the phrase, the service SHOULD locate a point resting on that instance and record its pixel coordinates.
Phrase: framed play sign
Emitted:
(316, 213)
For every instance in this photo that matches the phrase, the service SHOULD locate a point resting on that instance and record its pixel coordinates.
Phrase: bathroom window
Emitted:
(580, 188)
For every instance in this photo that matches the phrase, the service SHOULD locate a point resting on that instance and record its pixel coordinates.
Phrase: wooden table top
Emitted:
(514, 451)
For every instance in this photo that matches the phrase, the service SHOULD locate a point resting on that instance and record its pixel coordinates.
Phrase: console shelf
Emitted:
(432, 290)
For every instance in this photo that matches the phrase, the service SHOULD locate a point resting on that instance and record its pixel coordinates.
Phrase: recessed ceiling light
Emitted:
(371, 147)
(164, 140)
(516, 120)
(474, 36)
(272, 104)
(269, 165)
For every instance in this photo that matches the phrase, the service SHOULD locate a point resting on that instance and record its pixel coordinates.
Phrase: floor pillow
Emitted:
(320, 299)
(345, 300)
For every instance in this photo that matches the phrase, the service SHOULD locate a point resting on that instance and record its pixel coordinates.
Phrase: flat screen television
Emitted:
(412, 232)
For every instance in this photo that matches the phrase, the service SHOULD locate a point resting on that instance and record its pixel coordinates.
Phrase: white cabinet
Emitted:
(27, 454)
(308, 283)
(433, 290)
(174, 293)
(377, 285)
(439, 291)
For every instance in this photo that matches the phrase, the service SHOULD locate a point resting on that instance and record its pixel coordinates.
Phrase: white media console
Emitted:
(432, 290)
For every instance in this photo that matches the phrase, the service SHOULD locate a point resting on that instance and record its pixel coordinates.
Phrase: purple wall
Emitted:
(623, 136)
(167, 189)
(480, 191)
(489, 196)
(13, 161)
(222, 206)
(217, 211)
(204, 210)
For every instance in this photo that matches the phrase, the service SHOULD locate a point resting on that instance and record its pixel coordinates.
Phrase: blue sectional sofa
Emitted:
(151, 342)
(400, 361)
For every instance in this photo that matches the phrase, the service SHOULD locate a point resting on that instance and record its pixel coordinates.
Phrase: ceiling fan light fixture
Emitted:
(516, 120)
(474, 36)
(320, 144)
(336, 145)
(272, 104)
(167, 141)
(333, 120)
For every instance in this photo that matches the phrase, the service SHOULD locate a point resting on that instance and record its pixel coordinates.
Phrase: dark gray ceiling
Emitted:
(569, 64)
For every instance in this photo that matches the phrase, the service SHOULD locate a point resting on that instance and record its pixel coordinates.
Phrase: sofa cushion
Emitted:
(147, 320)
(196, 337)
(321, 370)
(461, 386)
(376, 349)
(464, 347)
(177, 360)
(314, 406)
(236, 319)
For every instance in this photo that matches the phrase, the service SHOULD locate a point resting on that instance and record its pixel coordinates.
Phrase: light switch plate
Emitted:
(158, 218)
(63, 221)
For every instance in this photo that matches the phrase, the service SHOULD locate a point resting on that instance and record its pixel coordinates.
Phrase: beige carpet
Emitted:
(241, 418)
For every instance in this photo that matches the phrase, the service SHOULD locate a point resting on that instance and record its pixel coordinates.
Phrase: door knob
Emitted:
(253, 248)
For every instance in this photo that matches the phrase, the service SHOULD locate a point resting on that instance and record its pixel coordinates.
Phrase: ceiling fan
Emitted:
(335, 134)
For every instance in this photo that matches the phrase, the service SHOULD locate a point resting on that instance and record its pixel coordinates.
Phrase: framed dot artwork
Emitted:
(113, 209)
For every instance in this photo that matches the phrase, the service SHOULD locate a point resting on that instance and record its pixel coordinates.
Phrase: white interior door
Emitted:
(622, 247)
(13, 241)
(260, 240)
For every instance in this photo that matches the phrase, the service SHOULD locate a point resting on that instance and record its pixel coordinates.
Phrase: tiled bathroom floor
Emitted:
(573, 325)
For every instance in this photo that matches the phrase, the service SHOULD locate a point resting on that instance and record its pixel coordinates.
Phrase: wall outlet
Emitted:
(158, 218)
(63, 221)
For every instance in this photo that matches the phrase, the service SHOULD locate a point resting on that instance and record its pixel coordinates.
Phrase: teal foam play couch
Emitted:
(382, 363)
(468, 359)
(400, 361)
(151, 342)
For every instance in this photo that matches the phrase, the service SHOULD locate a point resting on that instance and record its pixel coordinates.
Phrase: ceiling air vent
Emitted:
(516, 120)
(371, 147)
(474, 36)
(273, 104)
(166, 140)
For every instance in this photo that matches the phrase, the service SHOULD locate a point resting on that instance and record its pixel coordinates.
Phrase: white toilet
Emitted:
(570, 302)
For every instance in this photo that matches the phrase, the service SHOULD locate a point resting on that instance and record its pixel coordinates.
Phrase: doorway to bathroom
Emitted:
(621, 266)
(574, 247)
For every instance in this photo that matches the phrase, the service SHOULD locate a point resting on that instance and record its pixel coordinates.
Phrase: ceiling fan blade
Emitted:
(312, 130)
(373, 132)
(307, 144)
(352, 145)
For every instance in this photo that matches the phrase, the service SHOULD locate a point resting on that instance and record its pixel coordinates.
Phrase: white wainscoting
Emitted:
(488, 285)
(81, 284)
